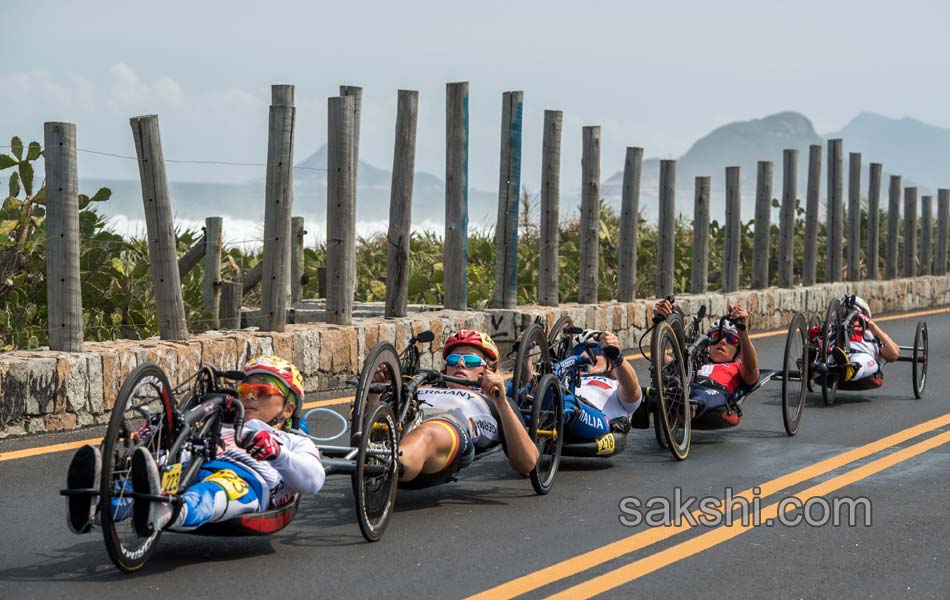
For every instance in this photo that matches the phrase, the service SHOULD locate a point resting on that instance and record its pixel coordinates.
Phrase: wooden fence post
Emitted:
(893, 220)
(297, 258)
(730, 253)
(63, 288)
(231, 295)
(700, 267)
(455, 249)
(786, 269)
(341, 212)
(763, 210)
(943, 221)
(835, 228)
(810, 266)
(629, 217)
(190, 259)
(590, 216)
(666, 230)
(874, 219)
(910, 232)
(252, 278)
(212, 280)
(550, 208)
(926, 228)
(854, 216)
(162, 253)
(400, 204)
(509, 188)
(278, 204)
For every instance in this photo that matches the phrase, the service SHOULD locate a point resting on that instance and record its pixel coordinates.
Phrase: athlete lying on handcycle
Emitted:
(266, 469)
(732, 363)
(868, 345)
(456, 422)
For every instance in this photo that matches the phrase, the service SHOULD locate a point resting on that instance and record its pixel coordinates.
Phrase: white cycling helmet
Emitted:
(861, 305)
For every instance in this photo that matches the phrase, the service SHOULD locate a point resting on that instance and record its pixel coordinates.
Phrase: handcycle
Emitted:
(814, 354)
(393, 378)
(554, 353)
(183, 434)
(677, 350)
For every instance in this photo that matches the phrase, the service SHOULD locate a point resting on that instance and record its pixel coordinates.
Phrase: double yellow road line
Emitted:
(638, 568)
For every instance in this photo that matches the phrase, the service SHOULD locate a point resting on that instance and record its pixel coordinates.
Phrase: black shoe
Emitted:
(620, 425)
(83, 474)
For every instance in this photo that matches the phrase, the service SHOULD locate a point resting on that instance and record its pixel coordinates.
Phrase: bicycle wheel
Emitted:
(794, 374)
(531, 362)
(379, 380)
(560, 346)
(814, 323)
(546, 430)
(672, 389)
(142, 417)
(832, 335)
(919, 366)
(374, 480)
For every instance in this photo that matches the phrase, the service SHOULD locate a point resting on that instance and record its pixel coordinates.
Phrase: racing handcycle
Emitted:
(184, 433)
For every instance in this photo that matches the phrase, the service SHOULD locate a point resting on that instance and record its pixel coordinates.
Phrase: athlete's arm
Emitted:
(889, 350)
(522, 453)
(629, 391)
(750, 360)
(297, 461)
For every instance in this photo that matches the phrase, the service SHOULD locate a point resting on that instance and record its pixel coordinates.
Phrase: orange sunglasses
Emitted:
(259, 389)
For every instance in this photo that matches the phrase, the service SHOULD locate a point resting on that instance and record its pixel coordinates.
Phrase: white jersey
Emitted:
(296, 469)
(469, 406)
(604, 394)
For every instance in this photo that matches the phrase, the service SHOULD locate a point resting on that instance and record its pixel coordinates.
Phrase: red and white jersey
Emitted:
(727, 374)
(604, 393)
(863, 342)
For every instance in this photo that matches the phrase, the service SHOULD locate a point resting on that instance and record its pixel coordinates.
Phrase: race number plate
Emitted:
(606, 445)
(171, 478)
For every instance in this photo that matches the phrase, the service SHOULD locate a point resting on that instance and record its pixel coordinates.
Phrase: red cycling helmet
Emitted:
(474, 338)
(281, 368)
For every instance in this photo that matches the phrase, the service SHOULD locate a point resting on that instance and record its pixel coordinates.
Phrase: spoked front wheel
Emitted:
(375, 477)
(546, 430)
(794, 374)
(380, 380)
(141, 417)
(919, 366)
(672, 389)
(559, 343)
(531, 362)
(832, 335)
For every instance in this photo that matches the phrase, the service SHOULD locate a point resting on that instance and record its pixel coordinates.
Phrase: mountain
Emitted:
(912, 148)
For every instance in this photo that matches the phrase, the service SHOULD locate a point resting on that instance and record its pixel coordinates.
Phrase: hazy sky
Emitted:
(658, 75)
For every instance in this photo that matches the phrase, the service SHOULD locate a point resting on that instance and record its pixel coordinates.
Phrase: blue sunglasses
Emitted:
(469, 360)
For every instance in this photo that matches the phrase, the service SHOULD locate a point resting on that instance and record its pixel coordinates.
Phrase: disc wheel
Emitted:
(559, 343)
(832, 335)
(143, 416)
(794, 374)
(375, 477)
(546, 430)
(670, 381)
(380, 380)
(813, 324)
(919, 366)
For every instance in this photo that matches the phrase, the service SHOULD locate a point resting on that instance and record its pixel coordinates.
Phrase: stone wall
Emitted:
(52, 391)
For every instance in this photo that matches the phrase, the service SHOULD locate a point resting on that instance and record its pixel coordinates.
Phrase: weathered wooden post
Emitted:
(400, 204)
(278, 204)
(810, 266)
(926, 228)
(786, 269)
(629, 216)
(590, 216)
(763, 209)
(854, 216)
(194, 255)
(356, 93)
(455, 249)
(231, 295)
(910, 232)
(509, 187)
(943, 229)
(874, 219)
(163, 259)
(252, 278)
(63, 289)
(550, 208)
(212, 281)
(666, 230)
(700, 267)
(341, 212)
(297, 234)
(893, 220)
(731, 242)
(835, 229)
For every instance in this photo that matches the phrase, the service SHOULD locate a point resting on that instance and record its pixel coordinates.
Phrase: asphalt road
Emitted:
(489, 532)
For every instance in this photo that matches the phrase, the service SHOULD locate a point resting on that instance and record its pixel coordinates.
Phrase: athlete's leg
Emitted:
(428, 448)
(584, 422)
(865, 363)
